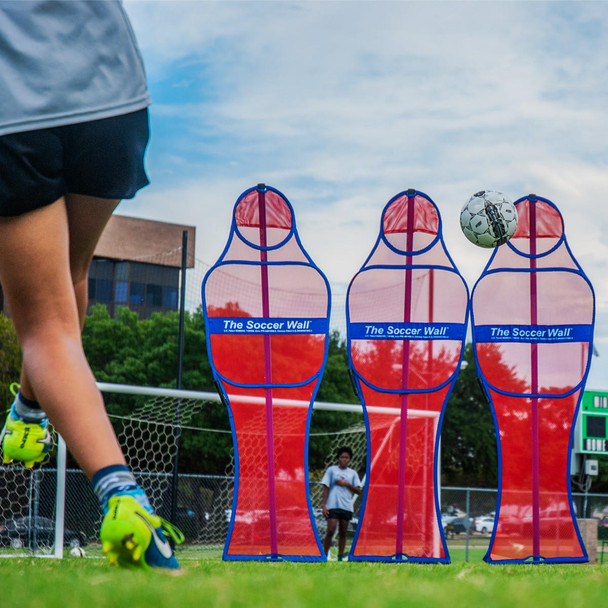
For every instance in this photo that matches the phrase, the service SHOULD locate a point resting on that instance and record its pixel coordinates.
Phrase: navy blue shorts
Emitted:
(342, 514)
(102, 158)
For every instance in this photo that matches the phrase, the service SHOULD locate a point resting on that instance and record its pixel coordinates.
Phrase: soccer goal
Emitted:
(51, 510)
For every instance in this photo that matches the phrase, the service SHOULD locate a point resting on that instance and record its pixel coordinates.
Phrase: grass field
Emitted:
(91, 583)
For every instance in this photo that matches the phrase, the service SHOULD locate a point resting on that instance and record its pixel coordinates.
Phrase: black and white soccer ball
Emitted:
(77, 551)
(488, 219)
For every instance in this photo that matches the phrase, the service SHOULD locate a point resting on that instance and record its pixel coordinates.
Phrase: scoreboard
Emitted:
(591, 433)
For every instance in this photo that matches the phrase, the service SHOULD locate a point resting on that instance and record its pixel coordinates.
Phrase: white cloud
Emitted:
(343, 104)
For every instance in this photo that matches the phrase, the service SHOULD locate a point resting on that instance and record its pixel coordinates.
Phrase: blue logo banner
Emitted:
(407, 331)
(260, 325)
(533, 333)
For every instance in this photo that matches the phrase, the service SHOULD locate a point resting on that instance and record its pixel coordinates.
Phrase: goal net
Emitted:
(48, 510)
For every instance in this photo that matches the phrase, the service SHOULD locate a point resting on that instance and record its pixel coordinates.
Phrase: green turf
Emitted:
(91, 583)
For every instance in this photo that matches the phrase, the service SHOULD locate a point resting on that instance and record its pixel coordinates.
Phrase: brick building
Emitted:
(137, 264)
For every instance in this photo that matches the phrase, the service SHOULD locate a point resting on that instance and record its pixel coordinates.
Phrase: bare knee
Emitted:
(50, 334)
(40, 319)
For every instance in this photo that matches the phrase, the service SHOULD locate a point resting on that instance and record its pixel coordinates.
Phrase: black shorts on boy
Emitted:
(342, 514)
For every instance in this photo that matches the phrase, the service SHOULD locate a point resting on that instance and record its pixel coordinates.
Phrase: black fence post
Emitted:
(177, 428)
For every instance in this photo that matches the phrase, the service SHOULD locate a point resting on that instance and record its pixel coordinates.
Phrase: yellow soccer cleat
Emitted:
(133, 538)
(27, 442)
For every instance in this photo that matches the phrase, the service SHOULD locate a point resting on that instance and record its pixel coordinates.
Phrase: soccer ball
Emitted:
(77, 552)
(488, 219)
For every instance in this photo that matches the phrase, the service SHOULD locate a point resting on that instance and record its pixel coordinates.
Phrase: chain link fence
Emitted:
(205, 502)
(199, 504)
(468, 517)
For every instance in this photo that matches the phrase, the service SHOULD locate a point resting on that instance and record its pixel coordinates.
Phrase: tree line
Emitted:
(129, 350)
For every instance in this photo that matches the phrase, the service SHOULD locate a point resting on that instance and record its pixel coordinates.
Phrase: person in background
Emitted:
(341, 483)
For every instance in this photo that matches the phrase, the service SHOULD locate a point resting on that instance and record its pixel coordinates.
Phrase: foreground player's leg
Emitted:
(34, 252)
(87, 218)
(25, 436)
(37, 283)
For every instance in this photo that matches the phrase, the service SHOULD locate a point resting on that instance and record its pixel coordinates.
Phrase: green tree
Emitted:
(114, 346)
(127, 350)
(10, 361)
(336, 387)
(468, 438)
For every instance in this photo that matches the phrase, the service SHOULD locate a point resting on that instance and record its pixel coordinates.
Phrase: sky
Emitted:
(341, 104)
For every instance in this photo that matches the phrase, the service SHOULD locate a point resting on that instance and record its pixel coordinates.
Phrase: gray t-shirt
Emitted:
(63, 62)
(339, 496)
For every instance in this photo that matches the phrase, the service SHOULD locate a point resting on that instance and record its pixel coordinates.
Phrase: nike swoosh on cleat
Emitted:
(46, 440)
(162, 545)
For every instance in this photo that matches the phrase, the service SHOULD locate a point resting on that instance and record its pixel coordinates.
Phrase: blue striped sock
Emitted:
(27, 409)
(118, 480)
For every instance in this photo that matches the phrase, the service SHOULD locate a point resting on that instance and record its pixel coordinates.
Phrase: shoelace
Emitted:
(173, 531)
(14, 389)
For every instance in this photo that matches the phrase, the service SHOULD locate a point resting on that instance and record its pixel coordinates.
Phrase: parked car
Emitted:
(24, 531)
(603, 523)
(459, 525)
(484, 524)
(462, 524)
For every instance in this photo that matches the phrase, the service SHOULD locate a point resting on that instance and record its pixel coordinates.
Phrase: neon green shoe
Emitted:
(24, 440)
(133, 538)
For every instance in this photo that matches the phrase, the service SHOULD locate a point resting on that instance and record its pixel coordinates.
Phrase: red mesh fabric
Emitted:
(292, 358)
(548, 221)
(518, 533)
(252, 531)
(402, 449)
(562, 298)
(267, 229)
(276, 210)
(267, 331)
(425, 217)
(392, 310)
(531, 326)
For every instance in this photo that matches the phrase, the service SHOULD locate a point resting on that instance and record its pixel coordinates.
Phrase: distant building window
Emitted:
(103, 289)
(102, 269)
(170, 297)
(155, 275)
(170, 276)
(153, 295)
(138, 293)
(138, 272)
(122, 271)
(120, 293)
(92, 289)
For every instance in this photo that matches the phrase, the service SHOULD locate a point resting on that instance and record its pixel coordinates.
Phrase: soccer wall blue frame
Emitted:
(406, 317)
(267, 309)
(533, 313)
